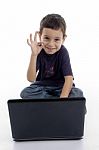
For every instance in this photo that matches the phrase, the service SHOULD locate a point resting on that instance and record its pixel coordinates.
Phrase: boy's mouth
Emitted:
(50, 49)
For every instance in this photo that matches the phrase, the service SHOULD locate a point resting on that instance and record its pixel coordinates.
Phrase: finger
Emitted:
(31, 40)
(40, 43)
(28, 42)
(35, 36)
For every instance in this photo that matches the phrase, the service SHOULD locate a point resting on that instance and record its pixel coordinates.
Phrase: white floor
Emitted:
(90, 140)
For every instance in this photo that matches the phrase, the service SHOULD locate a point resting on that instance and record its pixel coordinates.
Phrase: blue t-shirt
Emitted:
(53, 67)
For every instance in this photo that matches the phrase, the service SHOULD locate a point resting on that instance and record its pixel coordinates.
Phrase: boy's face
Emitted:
(52, 40)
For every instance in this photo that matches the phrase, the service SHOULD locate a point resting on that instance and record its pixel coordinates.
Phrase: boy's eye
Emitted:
(57, 39)
(46, 38)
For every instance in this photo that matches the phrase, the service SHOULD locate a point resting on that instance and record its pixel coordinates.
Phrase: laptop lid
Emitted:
(40, 119)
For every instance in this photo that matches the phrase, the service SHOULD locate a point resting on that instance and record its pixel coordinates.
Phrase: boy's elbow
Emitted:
(31, 79)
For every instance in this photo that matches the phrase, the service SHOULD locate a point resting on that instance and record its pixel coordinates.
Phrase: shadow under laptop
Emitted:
(50, 145)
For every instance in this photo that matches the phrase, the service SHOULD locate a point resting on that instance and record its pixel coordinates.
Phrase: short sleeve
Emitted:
(66, 65)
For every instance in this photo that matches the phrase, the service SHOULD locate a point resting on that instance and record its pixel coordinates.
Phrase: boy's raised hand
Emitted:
(35, 46)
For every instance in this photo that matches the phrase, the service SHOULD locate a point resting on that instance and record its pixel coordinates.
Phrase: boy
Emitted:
(49, 69)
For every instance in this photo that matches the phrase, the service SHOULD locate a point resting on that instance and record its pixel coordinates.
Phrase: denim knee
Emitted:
(76, 92)
(23, 93)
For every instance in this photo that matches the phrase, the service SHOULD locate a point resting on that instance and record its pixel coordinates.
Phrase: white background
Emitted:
(20, 18)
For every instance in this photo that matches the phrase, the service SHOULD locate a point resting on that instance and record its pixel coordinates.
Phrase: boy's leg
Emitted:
(53, 91)
(76, 92)
(56, 91)
(37, 91)
(33, 91)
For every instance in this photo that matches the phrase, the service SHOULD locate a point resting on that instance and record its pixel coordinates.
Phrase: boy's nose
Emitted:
(51, 43)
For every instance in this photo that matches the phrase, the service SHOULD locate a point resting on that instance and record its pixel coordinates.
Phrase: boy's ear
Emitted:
(64, 38)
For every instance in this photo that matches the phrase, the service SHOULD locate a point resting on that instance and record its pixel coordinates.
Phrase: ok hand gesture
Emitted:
(35, 46)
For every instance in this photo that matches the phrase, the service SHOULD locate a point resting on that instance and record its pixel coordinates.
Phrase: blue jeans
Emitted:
(38, 91)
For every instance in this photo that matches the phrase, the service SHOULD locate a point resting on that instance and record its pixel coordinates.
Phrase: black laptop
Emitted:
(47, 119)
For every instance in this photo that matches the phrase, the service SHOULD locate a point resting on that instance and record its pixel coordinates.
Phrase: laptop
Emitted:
(47, 119)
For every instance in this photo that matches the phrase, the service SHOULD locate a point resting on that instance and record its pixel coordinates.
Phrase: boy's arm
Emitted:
(31, 72)
(67, 86)
(36, 47)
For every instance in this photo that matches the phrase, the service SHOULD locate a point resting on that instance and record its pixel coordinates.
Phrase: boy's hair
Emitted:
(53, 21)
